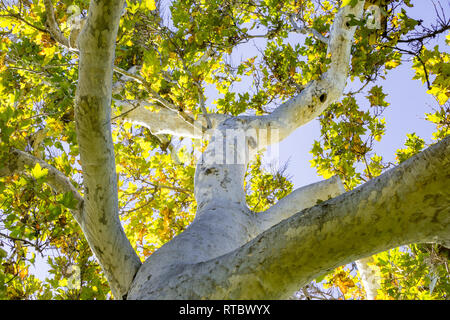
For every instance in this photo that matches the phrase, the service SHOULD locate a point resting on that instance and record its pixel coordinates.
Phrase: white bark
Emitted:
(315, 98)
(302, 198)
(407, 204)
(369, 277)
(223, 222)
(164, 121)
(295, 112)
(318, 95)
(305, 30)
(100, 221)
(229, 252)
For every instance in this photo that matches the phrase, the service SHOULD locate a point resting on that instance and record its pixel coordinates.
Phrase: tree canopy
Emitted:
(172, 55)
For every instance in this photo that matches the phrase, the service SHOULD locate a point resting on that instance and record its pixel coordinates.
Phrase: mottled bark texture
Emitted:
(223, 221)
(230, 252)
(202, 264)
(100, 221)
(407, 204)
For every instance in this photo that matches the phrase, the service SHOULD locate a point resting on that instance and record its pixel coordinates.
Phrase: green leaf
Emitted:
(68, 201)
(3, 254)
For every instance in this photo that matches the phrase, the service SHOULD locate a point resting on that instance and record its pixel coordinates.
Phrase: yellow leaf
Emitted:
(149, 4)
(391, 64)
(23, 273)
(48, 51)
(127, 126)
(63, 282)
(5, 22)
(131, 188)
(346, 3)
(440, 94)
(37, 172)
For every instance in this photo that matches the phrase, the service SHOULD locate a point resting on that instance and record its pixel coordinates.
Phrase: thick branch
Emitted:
(18, 161)
(55, 31)
(163, 121)
(101, 224)
(319, 94)
(155, 95)
(298, 200)
(407, 204)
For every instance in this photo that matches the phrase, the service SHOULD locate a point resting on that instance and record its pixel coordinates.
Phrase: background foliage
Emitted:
(184, 49)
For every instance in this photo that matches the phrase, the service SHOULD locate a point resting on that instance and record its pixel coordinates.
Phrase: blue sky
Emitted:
(406, 113)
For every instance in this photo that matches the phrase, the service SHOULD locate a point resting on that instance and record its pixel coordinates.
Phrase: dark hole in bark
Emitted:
(323, 97)
(209, 171)
(347, 24)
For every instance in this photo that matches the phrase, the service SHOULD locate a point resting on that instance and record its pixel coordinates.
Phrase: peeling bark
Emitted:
(230, 252)
(223, 222)
(369, 277)
(407, 204)
(101, 224)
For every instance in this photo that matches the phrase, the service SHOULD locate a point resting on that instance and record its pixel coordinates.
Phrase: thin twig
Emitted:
(417, 55)
(305, 30)
(21, 240)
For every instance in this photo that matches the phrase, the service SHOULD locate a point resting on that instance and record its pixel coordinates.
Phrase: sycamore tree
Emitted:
(118, 169)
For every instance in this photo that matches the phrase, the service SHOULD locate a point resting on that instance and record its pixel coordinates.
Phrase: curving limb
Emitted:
(101, 224)
(228, 251)
(164, 121)
(305, 30)
(53, 26)
(318, 94)
(407, 204)
(299, 199)
(18, 161)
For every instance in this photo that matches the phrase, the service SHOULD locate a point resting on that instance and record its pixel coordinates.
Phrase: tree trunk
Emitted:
(230, 252)
(407, 204)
